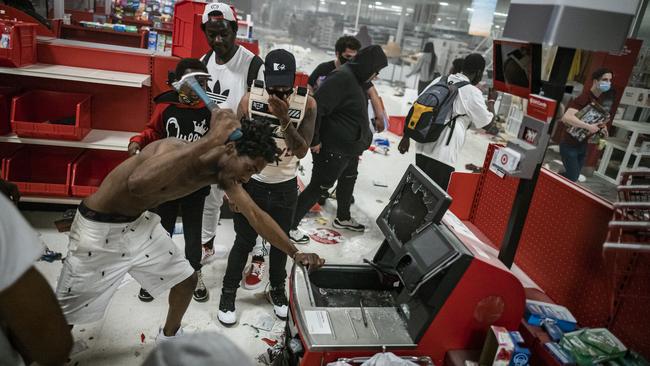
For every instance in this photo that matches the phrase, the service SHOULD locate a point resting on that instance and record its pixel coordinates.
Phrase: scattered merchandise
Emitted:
(5, 41)
(326, 236)
(562, 356)
(498, 348)
(537, 311)
(592, 346)
(521, 355)
(552, 330)
(51, 256)
(63, 224)
(378, 183)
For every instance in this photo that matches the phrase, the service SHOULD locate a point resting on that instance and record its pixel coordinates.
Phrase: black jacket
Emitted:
(342, 122)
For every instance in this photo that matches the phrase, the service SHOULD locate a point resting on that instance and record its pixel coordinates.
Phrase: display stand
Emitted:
(120, 81)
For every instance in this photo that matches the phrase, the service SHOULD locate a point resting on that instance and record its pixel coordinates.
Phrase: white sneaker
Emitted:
(227, 314)
(163, 338)
(298, 236)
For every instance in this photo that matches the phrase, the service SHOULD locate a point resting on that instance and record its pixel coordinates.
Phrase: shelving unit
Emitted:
(51, 200)
(96, 139)
(121, 81)
(81, 74)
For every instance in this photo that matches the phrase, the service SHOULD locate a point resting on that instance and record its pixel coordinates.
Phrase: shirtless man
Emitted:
(113, 233)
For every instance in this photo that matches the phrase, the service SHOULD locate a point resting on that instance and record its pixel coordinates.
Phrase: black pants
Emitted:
(438, 171)
(279, 201)
(329, 167)
(191, 208)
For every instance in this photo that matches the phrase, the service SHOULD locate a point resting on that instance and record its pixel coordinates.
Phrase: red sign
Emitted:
(541, 108)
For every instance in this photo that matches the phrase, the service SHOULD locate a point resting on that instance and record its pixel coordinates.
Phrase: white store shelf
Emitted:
(96, 139)
(80, 74)
(52, 200)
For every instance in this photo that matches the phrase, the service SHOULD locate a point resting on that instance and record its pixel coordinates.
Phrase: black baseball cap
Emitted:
(279, 68)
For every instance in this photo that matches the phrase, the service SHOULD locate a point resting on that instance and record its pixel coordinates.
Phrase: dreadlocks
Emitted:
(257, 141)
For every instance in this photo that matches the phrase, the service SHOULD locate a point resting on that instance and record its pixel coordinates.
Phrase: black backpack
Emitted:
(427, 119)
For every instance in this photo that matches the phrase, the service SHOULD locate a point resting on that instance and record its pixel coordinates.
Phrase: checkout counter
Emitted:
(428, 289)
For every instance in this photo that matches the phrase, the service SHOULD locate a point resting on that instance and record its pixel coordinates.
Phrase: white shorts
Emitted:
(101, 254)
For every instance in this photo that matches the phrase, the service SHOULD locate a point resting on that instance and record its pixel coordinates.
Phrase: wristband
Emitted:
(283, 129)
(491, 101)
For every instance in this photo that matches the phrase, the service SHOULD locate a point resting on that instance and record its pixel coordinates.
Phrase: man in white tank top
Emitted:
(232, 68)
(275, 190)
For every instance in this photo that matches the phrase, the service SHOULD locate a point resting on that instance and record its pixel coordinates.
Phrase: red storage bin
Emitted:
(7, 150)
(42, 170)
(33, 115)
(91, 168)
(6, 93)
(396, 125)
(22, 43)
(188, 40)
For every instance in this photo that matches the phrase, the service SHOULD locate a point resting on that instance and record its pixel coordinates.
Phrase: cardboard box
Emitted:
(498, 348)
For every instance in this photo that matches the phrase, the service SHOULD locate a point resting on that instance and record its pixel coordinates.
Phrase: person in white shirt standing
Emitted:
(32, 326)
(232, 69)
(437, 159)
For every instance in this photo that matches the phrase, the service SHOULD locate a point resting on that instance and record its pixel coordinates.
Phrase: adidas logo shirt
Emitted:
(228, 84)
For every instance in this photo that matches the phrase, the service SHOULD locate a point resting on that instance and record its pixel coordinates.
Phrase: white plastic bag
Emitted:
(387, 359)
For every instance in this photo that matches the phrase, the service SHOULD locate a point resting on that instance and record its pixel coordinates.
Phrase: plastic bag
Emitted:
(387, 359)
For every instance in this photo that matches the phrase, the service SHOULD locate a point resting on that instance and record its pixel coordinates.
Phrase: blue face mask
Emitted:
(604, 86)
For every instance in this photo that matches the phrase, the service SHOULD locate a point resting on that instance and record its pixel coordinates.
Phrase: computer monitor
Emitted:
(517, 67)
(416, 203)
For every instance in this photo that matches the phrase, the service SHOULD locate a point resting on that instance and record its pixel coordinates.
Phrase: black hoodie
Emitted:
(342, 122)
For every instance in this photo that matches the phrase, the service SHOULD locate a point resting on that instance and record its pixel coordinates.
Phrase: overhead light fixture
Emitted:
(343, 3)
(439, 19)
(497, 27)
(396, 7)
(453, 22)
(377, 2)
(470, 9)
(442, 3)
(501, 14)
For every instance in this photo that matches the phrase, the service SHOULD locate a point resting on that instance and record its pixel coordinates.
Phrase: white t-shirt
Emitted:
(228, 84)
(470, 102)
(20, 247)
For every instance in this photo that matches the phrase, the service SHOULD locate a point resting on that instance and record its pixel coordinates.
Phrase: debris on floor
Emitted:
(378, 183)
(51, 256)
(142, 337)
(326, 236)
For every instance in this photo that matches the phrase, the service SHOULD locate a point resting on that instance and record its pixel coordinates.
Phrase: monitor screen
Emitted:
(515, 71)
(416, 203)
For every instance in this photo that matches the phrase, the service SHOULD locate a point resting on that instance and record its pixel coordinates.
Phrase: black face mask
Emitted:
(280, 94)
(343, 60)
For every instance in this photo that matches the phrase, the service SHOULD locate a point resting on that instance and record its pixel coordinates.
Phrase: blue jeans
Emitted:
(573, 158)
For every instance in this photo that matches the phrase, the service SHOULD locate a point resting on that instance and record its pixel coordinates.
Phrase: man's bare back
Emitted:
(163, 171)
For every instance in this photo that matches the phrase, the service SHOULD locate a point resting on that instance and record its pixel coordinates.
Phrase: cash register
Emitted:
(430, 288)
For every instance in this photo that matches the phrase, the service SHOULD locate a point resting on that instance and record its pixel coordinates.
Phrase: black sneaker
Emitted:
(144, 296)
(350, 224)
(322, 200)
(227, 315)
(278, 297)
(201, 292)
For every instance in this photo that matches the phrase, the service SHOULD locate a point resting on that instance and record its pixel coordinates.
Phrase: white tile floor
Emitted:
(116, 340)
